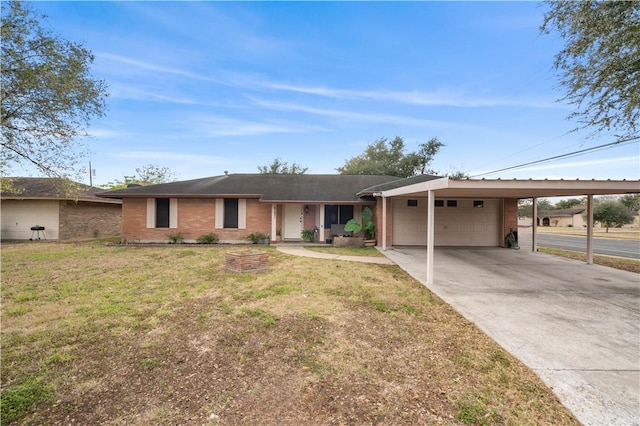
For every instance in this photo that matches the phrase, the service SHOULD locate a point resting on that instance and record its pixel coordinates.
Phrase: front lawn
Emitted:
(164, 335)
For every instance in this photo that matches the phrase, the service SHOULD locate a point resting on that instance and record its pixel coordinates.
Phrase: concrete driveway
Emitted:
(576, 325)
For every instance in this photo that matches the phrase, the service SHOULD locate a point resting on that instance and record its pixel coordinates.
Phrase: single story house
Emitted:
(465, 212)
(66, 210)
(558, 218)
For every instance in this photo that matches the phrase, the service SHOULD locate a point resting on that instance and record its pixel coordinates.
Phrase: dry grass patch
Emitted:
(623, 263)
(164, 335)
(626, 233)
(347, 251)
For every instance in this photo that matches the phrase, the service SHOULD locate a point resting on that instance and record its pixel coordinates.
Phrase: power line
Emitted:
(570, 154)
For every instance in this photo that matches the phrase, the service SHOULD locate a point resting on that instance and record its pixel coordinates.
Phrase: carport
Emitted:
(432, 188)
(577, 328)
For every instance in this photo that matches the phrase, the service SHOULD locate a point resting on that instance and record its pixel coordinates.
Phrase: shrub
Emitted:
(257, 237)
(352, 226)
(208, 239)
(308, 234)
(175, 237)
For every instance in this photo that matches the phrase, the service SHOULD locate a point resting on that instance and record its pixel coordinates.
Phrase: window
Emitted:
(412, 203)
(337, 215)
(452, 203)
(438, 203)
(162, 213)
(478, 203)
(230, 212)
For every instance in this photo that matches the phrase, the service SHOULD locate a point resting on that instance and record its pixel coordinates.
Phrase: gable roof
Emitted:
(561, 212)
(265, 187)
(41, 188)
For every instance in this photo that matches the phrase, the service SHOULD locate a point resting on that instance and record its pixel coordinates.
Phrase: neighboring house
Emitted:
(65, 210)
(466, 212)
(562, 217)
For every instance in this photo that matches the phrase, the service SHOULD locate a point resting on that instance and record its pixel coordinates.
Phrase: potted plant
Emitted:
(351, 239)
(308, 235)
(369, 228)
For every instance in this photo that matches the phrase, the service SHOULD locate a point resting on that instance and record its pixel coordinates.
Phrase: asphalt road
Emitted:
(606, 246)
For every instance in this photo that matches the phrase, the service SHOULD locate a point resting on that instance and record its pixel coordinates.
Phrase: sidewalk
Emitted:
(301, 251)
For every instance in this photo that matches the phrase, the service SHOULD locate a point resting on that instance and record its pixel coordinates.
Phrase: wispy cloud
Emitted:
(158, 68)
(224, 126)
(353, 116)
(172, 156)
(600, 162)
(440, 97)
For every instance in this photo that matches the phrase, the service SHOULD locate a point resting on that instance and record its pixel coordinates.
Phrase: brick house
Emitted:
(66, 210)
(465, 213)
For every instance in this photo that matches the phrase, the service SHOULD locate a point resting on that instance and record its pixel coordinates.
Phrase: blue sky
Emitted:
(204, 87)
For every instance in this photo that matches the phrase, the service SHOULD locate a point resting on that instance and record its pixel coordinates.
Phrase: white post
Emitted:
(321, 224)
(430, 226)
(384, 223)
(590, 229)
(534, 226)
(274, 220)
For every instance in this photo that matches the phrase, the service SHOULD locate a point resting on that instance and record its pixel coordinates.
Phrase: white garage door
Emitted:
(465, 222)
(459, 222)
(409, 222)
(18, 216)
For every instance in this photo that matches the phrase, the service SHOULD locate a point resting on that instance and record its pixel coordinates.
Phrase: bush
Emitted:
(208, 239)
(257, 237)
(308, 235)
(352, 226)
(175, 237)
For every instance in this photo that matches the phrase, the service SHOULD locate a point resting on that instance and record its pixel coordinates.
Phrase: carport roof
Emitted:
(516, 188)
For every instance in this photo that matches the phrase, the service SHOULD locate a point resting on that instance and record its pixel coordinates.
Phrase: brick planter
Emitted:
(246, 261)
(348, 242)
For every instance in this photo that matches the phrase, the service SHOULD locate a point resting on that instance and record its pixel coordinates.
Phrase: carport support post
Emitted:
(590, 229)
(430, 251)
(384, 223)
(534, 226)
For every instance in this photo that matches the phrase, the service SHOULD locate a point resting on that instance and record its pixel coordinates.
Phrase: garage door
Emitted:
(462, 222)
(409, 221)
(465, 222)
(18, 216)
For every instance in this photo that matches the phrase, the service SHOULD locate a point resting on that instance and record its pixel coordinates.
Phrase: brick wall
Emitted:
(510, 214)
(89, 220)
(196, 217)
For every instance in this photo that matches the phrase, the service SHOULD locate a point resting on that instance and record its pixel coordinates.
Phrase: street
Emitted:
(606, 246)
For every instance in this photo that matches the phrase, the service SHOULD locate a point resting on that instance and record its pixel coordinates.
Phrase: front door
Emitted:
(292, 222)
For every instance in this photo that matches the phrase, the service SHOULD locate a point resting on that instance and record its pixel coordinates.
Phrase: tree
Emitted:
(525, 206)
(570, 202)
(611, 214)
(600, 63)
(631, 202)
(48, 94)
(145, 175)
(278, 166)
(384, 157)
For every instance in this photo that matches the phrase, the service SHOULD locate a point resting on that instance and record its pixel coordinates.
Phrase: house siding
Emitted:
(89, 220)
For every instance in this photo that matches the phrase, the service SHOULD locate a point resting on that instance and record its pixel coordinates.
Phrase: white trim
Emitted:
(384, 222)
(219, 220)
(430, 235)
(151, 213)
(242, 213)
(590, 229)
(173, 213)
(418, 187)
(274, 218)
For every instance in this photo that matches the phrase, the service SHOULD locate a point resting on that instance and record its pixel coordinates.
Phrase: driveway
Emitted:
(576, 325)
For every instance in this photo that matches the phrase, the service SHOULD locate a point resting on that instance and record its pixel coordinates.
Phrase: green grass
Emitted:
(165, 335)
